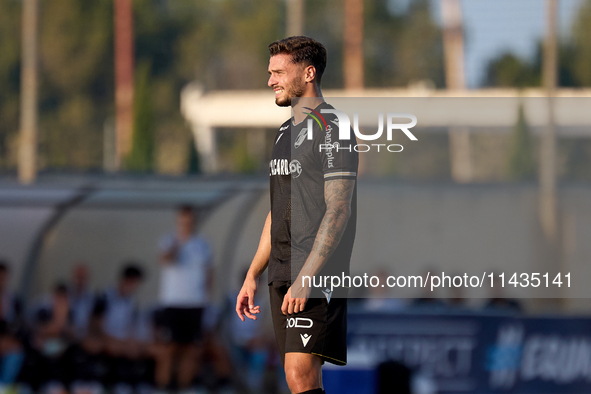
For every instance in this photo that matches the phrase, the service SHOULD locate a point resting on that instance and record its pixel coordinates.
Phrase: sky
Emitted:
(496, 26)
(492, 27)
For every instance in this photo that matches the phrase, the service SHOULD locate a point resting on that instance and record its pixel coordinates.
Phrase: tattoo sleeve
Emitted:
(337, 196)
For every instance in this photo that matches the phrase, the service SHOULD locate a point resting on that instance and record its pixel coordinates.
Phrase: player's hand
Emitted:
(295, 305)
(245, 301)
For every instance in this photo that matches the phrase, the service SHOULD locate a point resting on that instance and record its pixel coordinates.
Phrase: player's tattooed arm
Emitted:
(338, 194)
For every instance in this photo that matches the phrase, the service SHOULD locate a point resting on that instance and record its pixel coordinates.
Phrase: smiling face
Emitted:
(286, 78)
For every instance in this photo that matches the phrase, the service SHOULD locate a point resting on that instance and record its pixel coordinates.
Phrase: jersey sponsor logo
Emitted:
(328, 141)
(279, 167)
(300, 138)
(299, 322)
(305, 338)
(278, 138)
(295, 167)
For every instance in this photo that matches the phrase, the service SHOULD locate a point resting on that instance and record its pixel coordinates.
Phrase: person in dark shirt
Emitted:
(311, 226)
(47, 365)
(10, 305)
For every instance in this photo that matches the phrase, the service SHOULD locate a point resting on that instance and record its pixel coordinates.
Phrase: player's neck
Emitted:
(311, 99)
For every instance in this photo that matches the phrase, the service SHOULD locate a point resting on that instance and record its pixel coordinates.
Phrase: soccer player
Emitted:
(311, 226)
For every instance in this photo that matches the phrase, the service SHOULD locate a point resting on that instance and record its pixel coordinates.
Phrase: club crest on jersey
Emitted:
(300, 138)
(295, 167)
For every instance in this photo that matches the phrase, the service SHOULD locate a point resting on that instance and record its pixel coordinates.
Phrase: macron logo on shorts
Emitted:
(327, 294)
(305, 338)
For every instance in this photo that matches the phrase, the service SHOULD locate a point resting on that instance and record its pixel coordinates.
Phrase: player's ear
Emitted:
(310, 73)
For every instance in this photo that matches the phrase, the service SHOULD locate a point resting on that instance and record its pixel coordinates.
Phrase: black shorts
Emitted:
(321, 329)
(180, 325)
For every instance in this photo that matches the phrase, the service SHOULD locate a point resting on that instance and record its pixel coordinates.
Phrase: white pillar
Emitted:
(206, 145)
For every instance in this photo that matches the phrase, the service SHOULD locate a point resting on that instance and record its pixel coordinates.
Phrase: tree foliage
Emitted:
(141, 157)
(581, 60)
(403, 48)
(223, 45)
(521, 163)
(510, 71)
(10, 27)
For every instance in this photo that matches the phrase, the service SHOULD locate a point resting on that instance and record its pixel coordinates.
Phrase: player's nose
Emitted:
(271, 81)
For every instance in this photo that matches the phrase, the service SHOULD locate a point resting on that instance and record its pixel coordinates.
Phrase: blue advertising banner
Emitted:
(462, 353)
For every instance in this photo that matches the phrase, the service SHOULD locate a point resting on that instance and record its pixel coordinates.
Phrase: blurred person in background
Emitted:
(185, 288)
(249, 344)
(119, 313)
(379, 299)
(10, 305)
(457, 301)
(47, 366)
(82, 300)
(498, 301)
(214, 363)
(90, 363)
(428, 301)
(11, 330)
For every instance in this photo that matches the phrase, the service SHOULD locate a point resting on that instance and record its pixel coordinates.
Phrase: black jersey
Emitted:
(298, 169)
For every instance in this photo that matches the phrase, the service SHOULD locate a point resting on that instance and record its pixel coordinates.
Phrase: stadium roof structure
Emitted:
(206, 111)
(32, 214)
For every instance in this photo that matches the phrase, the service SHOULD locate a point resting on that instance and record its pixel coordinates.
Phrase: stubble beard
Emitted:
(294, 90)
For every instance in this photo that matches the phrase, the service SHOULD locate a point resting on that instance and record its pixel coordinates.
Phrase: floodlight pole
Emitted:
(124, 86)
(27, 158)
(453, 51)
(353, 45)
(295, 18)
(547, 165)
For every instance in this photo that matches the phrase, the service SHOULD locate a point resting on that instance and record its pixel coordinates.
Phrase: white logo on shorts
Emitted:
(305, 338)
(299, 322)
(327, 294)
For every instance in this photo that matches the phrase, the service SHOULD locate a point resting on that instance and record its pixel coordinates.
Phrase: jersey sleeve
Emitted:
(339, 158)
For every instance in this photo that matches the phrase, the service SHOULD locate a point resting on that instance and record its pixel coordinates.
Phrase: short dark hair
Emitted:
(132, 271)
(60, 288)
(186, 209)
(304, 50)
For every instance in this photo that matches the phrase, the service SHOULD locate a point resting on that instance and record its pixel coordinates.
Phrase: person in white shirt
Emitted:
(185, 287)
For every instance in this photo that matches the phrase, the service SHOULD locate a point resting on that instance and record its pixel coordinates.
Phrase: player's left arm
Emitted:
(338, 194)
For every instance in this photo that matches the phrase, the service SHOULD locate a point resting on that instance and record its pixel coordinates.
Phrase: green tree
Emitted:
(10, 27)
(76, 81)
(521, 163)
(580, 61)
(509, 71)
(402, 48)
(141, 157)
